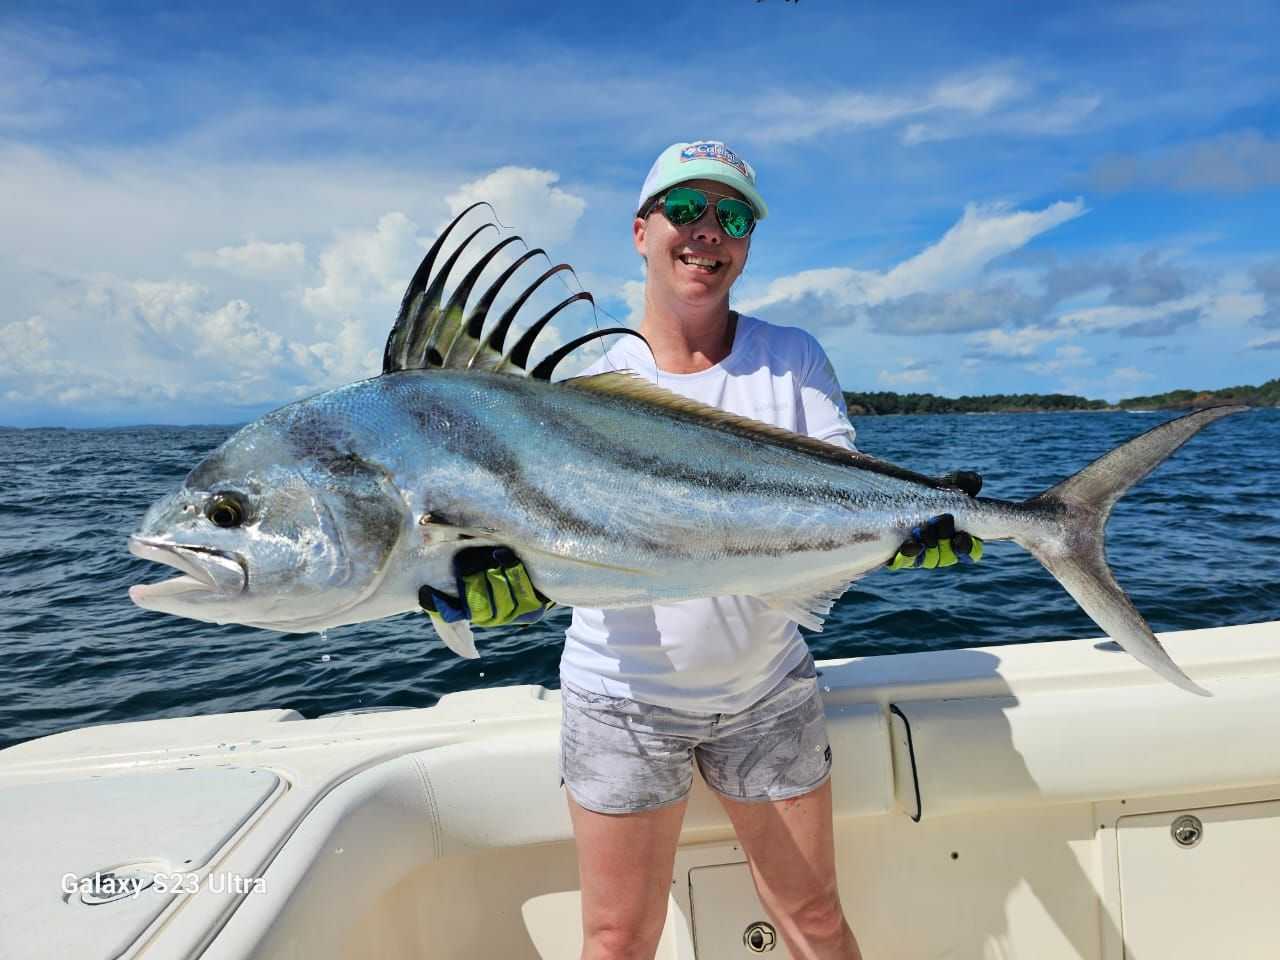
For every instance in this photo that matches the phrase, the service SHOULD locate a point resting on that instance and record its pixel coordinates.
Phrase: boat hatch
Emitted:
(92, 863)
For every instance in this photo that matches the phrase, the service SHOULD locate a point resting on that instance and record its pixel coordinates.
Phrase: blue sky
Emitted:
(205, 214)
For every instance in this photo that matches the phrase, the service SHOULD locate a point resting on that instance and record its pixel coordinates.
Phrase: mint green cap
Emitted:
(702, 160)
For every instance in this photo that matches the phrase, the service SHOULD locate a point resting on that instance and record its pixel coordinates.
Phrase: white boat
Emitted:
(1045, 801)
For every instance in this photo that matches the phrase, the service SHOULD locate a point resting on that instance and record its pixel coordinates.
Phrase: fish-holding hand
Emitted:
(936, 542)
(493, 590)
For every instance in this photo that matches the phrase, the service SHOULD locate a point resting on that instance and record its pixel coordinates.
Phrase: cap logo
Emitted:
(710, 150)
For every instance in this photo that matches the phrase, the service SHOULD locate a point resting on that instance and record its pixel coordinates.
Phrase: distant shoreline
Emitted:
(888, 403)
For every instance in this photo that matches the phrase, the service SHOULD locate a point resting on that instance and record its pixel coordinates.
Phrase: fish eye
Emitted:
(225, 510)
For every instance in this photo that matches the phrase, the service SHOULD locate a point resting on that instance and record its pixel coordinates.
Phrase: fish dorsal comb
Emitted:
(629, 385)
(427, 335)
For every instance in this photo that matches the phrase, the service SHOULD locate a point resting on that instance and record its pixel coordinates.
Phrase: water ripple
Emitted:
(1194, 545)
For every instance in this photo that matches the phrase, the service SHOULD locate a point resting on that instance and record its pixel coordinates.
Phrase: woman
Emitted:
(726, 682)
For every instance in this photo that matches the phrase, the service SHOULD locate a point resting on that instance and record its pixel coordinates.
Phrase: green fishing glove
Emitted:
(494, 589)
(936, 543)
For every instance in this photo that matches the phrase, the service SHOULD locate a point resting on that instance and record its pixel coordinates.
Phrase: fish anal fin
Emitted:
(810, 606)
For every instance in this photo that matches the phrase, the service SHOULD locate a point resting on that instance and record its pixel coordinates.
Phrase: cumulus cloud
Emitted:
(254, 257)
(266, 325)
(1271, 342)
(1235, 162)
(363, 266)
(124, 345)
(526, 200)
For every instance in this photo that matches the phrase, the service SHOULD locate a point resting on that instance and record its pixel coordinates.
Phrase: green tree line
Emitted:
(884, 402)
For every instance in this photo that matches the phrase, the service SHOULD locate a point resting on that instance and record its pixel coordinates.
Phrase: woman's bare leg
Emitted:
(624, 864)
(791, 847)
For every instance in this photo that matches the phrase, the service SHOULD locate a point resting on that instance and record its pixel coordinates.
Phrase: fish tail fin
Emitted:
(1074, 552)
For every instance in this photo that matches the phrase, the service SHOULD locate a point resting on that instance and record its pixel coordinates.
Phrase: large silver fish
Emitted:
(614, 492)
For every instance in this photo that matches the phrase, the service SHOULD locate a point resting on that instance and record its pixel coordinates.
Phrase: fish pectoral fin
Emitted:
(457, 636)
(808, 607)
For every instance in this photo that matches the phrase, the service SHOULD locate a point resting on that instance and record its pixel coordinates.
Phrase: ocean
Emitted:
(1196, 545)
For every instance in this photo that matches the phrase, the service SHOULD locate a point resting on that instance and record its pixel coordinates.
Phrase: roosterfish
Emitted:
(338, 508)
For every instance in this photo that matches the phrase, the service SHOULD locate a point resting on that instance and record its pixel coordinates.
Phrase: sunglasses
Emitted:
(685, 205)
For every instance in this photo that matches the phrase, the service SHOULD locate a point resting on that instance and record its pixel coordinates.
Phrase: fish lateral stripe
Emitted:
(630, 387)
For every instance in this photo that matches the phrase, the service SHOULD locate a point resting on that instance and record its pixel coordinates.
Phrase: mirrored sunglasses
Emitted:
(686, 205)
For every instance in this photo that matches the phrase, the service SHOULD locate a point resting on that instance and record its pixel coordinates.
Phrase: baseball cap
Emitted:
(702, 160)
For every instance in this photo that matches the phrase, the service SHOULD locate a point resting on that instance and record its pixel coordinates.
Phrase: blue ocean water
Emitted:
(1196, 545)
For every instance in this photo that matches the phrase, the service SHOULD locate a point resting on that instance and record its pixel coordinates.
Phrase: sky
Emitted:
(205, 214)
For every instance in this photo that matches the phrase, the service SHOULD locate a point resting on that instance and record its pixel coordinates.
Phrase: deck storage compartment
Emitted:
(1201, 883)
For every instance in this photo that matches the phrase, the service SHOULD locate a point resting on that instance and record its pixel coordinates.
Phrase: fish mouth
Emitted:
(205, 571)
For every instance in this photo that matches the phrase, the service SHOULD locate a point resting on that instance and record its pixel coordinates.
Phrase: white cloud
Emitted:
(1157, 318)
(841, 285)
(364, 266)
(978, 92)
(1021, 342)
(229, 334)
(913, 373)
(633, 296)
(1234, 309)
(1271, 342)
(998, 97)
(1054, 117)
(254, 257)
(1066, 357)
(136, 346)
(786, 117)
(24, 345)
(982, 235)
(525, 200)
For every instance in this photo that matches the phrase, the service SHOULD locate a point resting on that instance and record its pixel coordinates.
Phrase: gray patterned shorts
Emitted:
(621, 756)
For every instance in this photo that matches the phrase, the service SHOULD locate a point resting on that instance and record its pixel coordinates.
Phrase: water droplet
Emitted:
(324, 658)
(482, 673)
